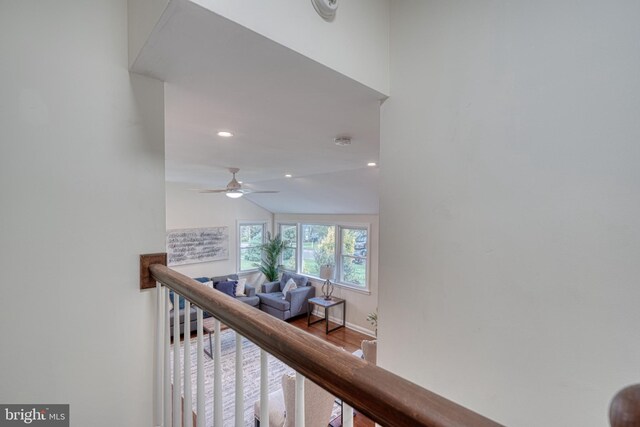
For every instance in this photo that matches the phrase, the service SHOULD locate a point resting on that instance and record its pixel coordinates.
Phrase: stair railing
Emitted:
(375, 392)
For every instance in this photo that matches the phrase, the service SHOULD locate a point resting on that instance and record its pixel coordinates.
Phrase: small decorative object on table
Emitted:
(326, 273)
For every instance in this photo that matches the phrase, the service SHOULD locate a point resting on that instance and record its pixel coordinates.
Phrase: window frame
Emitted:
(339, 226)
(341, 256)
(239, 247)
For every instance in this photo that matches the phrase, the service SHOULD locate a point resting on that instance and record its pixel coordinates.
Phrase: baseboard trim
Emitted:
(348, 325)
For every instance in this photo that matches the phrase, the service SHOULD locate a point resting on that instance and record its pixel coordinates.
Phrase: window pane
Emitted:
(289, 259)
(354, 270)
(289, 233)
(249, 258)
(354, 256)
(318, 248)
(354, 242)
(251, 235)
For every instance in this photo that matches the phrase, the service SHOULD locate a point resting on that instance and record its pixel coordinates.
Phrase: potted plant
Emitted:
(373, 319)
(272, 248)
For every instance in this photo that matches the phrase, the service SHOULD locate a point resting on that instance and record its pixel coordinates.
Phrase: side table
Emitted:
(327, 304)
(208, 327)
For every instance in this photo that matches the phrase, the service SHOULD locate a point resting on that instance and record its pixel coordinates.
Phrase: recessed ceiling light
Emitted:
(371, 164)
(225, 134)
(288, 175)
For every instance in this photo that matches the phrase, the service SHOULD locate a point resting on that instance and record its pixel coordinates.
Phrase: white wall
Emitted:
(81, 196)
(143, 15)
(359, 303)
(514, 250)
(355, 43)
(187, 208)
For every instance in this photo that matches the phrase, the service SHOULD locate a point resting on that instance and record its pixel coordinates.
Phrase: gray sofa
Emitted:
(250, 299)
(295, 303)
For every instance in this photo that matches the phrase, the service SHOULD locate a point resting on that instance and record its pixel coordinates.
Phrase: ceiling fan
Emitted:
(234, 188)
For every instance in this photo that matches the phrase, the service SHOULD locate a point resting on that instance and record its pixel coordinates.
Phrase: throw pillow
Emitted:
(209, 284)
(240, 288)
(291, 285)
(228, 288)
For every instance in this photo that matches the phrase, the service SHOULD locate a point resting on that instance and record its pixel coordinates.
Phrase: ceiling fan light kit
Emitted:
(326, 8)
(234, 194)
(234, 188)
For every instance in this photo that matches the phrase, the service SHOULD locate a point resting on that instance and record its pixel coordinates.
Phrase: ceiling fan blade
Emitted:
(262, 191)
(213, 191)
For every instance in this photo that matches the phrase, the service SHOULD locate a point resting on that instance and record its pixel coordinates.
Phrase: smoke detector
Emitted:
(342, 140)
(326, 8)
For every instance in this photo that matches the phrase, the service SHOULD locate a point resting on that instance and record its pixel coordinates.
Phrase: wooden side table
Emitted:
(208, 327)
(327, 304)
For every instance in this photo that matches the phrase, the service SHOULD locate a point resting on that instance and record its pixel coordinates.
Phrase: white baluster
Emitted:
(177, 385)
(347, 415)
(239, 385)
(188, 406)
(264, 388)
(167, 361)
(200, 398)
(299, 400)
(217, 376)
(159, 363)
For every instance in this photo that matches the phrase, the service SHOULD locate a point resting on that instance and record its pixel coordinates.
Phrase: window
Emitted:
(251, 236)
(318, 247)
(353, 254)
(344, 246)
(289, 234)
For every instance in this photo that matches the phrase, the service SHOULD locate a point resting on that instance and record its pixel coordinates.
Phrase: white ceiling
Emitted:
(283, 108)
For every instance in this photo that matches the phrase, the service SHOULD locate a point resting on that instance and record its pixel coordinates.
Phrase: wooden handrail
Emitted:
(379, 394)
(625, 407)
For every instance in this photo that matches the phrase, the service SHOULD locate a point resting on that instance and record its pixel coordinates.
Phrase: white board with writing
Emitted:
(194, 245)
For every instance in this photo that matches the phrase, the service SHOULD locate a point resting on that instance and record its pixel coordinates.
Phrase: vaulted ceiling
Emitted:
(283, 108)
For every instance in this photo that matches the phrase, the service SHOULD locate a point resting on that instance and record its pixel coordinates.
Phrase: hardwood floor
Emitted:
(346, 338)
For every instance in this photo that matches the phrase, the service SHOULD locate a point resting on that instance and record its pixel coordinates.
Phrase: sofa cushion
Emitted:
(299, 279)
(276, 409)
(253, 301)
(275, 300)
(192, 316)
(182, 301)
(218, 279)
(228, 288)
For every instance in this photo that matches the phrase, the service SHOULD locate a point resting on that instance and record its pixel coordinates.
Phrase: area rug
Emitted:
(251, 381)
